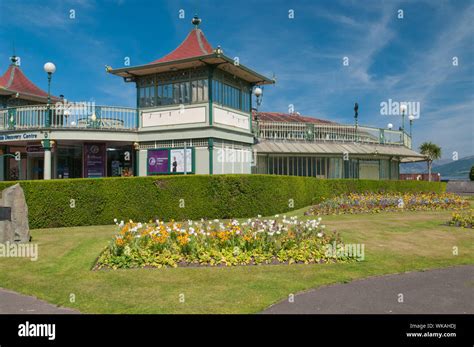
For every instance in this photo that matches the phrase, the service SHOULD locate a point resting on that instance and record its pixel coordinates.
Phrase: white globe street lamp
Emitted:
(411, 118)
(257, 92)
(49, 68)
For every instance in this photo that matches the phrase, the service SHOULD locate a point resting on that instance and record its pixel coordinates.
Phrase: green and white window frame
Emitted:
(173, 88)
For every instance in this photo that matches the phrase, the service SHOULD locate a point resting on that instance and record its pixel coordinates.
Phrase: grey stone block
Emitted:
(16, 230)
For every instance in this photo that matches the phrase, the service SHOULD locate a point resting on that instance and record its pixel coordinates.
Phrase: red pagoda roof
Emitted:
(195, 51)
(288, 117)
(194, 45)
(14, 81)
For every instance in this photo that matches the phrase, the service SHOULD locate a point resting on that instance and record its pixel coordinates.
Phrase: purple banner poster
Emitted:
(94, 160)
(158, 161)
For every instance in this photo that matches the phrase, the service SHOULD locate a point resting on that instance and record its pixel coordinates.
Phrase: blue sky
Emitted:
(409, 59)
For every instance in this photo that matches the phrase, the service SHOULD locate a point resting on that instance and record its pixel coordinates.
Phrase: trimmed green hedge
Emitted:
(99, 201)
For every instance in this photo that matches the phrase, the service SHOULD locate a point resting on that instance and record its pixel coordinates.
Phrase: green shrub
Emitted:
(99, 201)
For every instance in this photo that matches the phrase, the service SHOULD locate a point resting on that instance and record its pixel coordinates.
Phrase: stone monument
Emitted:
(14, 216)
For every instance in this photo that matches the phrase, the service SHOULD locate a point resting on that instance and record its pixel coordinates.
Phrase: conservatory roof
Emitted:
(288, 118)
(302, 147)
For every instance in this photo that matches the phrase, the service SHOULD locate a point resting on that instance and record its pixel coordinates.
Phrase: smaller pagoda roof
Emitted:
(14, 82)
(195, 51)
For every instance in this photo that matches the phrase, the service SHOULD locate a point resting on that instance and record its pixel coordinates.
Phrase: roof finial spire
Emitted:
(196, 21)
(14, 58)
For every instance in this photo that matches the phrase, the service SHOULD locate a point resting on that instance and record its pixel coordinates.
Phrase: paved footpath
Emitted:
(449, 290)
(11, 302)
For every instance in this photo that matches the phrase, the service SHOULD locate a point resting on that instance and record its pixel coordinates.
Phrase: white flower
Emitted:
(320, 234)
(319, 219)
(115, 220)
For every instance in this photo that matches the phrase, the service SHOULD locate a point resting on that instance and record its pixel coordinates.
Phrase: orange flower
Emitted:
(247, 237)
(223, 235)
(183, 239)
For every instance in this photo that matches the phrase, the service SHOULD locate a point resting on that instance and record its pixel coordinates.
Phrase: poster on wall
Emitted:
(94, 160)
(178, 163)
(158, 161)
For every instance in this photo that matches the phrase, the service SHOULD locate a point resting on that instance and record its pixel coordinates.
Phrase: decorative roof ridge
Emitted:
(199, 38)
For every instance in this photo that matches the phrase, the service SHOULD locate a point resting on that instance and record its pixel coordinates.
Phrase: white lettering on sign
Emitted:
(18, 137)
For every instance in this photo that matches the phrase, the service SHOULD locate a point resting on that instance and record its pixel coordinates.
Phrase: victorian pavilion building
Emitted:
(193, 115)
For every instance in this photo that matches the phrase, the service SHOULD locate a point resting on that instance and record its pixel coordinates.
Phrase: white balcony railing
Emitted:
(294, 131)
(73, 117)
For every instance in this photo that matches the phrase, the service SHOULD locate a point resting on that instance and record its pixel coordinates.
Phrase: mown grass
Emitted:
(394, 242)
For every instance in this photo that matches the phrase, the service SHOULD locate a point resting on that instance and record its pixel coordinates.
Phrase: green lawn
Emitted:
(394, 242)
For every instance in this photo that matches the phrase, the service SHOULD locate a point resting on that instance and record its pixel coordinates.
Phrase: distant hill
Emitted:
(456, 169)
(447, 168)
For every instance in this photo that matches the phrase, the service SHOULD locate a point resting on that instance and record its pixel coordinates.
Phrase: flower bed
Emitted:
(463, 219)
(217, 243)
(382, 202)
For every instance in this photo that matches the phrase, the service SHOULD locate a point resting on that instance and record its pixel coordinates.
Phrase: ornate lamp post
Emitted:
(411, 118)
(403, 109)
(258, 92)
(356, 115)
(49, 68)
